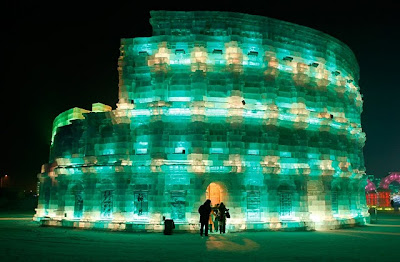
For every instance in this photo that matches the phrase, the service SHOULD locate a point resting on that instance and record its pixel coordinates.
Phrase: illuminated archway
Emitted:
(389, 179)
(216, 193)
(370, 186)
(384, 192)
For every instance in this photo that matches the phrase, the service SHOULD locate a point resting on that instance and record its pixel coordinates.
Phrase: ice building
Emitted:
(261, 114)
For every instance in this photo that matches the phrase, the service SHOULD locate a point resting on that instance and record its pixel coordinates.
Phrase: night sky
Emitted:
(56, 57)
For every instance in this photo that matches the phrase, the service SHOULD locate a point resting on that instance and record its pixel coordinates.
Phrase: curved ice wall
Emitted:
(266, 111)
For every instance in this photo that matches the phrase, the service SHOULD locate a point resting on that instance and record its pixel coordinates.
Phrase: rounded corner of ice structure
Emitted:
(257, 113)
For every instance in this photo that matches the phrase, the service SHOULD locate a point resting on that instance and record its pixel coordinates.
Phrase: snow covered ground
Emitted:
(21, 239)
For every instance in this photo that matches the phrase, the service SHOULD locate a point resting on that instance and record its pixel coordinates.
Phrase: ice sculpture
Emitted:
(261, 114)
(381, 197)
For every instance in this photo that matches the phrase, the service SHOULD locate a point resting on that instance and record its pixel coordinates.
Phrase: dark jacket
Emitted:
(205, 210)
(222, 212)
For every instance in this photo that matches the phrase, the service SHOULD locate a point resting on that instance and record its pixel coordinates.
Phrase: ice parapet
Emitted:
(260, 114)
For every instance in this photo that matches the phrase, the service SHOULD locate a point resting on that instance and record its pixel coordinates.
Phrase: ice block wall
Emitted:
(263, 113)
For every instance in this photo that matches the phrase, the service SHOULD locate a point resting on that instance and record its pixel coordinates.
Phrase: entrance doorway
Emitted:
(215, 193)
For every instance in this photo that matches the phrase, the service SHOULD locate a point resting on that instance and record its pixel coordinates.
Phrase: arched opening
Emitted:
(78, 207)
(106, 204)
(388, 191)
(77, 191)
(215, 193)
(106, 188)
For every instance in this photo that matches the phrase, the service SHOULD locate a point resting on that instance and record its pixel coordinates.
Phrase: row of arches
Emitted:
(288, 200)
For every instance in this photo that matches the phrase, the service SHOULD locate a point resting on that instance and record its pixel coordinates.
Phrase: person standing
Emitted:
(211, 221)
(204, 210)
(222, 217)
(216, 217)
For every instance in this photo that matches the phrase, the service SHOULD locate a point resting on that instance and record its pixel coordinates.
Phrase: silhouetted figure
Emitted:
(216, 217)
(222, 217)
(204, 210)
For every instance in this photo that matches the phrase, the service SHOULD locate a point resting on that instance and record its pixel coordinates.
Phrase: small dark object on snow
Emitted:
(169, 225)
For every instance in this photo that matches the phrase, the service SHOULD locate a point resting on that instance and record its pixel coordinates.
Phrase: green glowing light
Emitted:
(270, 116)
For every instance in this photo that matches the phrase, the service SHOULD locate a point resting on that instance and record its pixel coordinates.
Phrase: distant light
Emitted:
(5, 176)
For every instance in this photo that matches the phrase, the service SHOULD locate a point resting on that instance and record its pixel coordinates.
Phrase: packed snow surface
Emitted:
(24, 240)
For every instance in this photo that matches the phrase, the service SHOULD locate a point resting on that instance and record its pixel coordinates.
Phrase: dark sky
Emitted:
(61, 56)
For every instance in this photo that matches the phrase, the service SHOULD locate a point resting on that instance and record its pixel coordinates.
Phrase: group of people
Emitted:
(210, 216)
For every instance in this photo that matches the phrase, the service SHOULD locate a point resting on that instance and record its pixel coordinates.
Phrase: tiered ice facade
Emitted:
(263, 113)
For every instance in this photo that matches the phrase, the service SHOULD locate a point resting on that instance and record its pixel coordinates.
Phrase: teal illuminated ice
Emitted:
(261, 114)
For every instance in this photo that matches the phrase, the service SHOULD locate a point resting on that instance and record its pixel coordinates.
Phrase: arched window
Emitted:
(77, 192)
(141, 204)
(107, 204)
(106, 189)
(335, 201)
(335, 196)
(253, 205)
(78, 208)
(178, 204)
(285, 201)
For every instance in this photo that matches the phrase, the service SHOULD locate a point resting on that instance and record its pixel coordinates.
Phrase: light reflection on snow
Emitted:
(224, 244)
